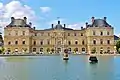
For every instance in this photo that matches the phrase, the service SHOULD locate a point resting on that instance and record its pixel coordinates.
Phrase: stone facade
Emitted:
(21, 37)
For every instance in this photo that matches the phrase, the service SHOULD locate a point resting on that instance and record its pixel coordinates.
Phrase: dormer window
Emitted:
(68, 34)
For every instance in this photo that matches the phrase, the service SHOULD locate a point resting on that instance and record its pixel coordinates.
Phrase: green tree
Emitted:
(1, 50)
(118, 46)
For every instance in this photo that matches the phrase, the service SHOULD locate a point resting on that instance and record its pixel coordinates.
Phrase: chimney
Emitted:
(30, 24)
(52, 25)
(12, 19)
(58, 22)
(25, 19)
(34, 28)
(64, 25)
(81, 27)
(86, 24)
(92, 19)
(105, 18)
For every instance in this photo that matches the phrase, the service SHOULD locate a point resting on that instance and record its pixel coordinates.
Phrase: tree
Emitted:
(1, 50)
(118, 46)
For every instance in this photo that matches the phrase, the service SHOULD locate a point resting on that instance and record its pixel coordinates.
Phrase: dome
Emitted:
(100, 23)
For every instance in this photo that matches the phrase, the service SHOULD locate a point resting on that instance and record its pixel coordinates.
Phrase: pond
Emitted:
(54, 68)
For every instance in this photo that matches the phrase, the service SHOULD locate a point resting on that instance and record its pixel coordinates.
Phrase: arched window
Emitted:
(41, 42)
(34, 49)
(81, 34)
(23, 33)
(9, 43)
(16, 32)
(23, 42)
(48, 50)
(76, 42)
(93, 32)
(101, 41)
(108, 33)
(75, 34)
(68, 34)
(101, 33)
(108, 41)
(8, 50)
(76, 49)
(94, 41)
(83, 42)
(34, 42)
(83, 49)
(16, 42)
(69, 43)
(69, 49)
(41, 49)
(48, 42)
(108, 49)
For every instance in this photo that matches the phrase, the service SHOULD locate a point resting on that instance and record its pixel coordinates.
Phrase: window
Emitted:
(9, 34)
(108, 49)
(68, 34)
(83, 42)
(48, 34)
(48, 42)
(93, 32)
(41, 42)
(48, 50)
(101, 41)
(34, 49)
(16, 32)
(8, 50)
(76, 49)
(42, 34)
(94, 41)
(76, 42)
(108, 41)
(101, 33)
(9, 43)
(108, 33)
(23, 32)
(35, 34)
(34, 42)
(69, 43)
(83, 49)
(16, 42)
(41, 49)
(23, 42)
(75, 34)
(81, 34)
(69, 49)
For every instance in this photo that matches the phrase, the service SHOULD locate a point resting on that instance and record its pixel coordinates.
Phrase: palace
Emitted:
(97, 37)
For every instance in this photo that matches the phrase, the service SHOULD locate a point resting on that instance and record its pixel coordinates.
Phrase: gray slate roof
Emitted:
(100, 23)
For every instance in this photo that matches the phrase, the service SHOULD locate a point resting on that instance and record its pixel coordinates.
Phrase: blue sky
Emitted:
(73, 11)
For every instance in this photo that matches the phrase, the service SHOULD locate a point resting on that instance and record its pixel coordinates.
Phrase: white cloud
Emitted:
(45, 9)
(17, 10)
(77, 25)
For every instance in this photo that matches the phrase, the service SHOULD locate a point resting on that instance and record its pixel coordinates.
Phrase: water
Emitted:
(54, 68)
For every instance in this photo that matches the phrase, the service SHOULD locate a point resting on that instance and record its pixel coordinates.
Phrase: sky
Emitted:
(73, 13)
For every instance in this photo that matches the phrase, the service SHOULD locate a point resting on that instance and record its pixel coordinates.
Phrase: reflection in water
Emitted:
(53, 68)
